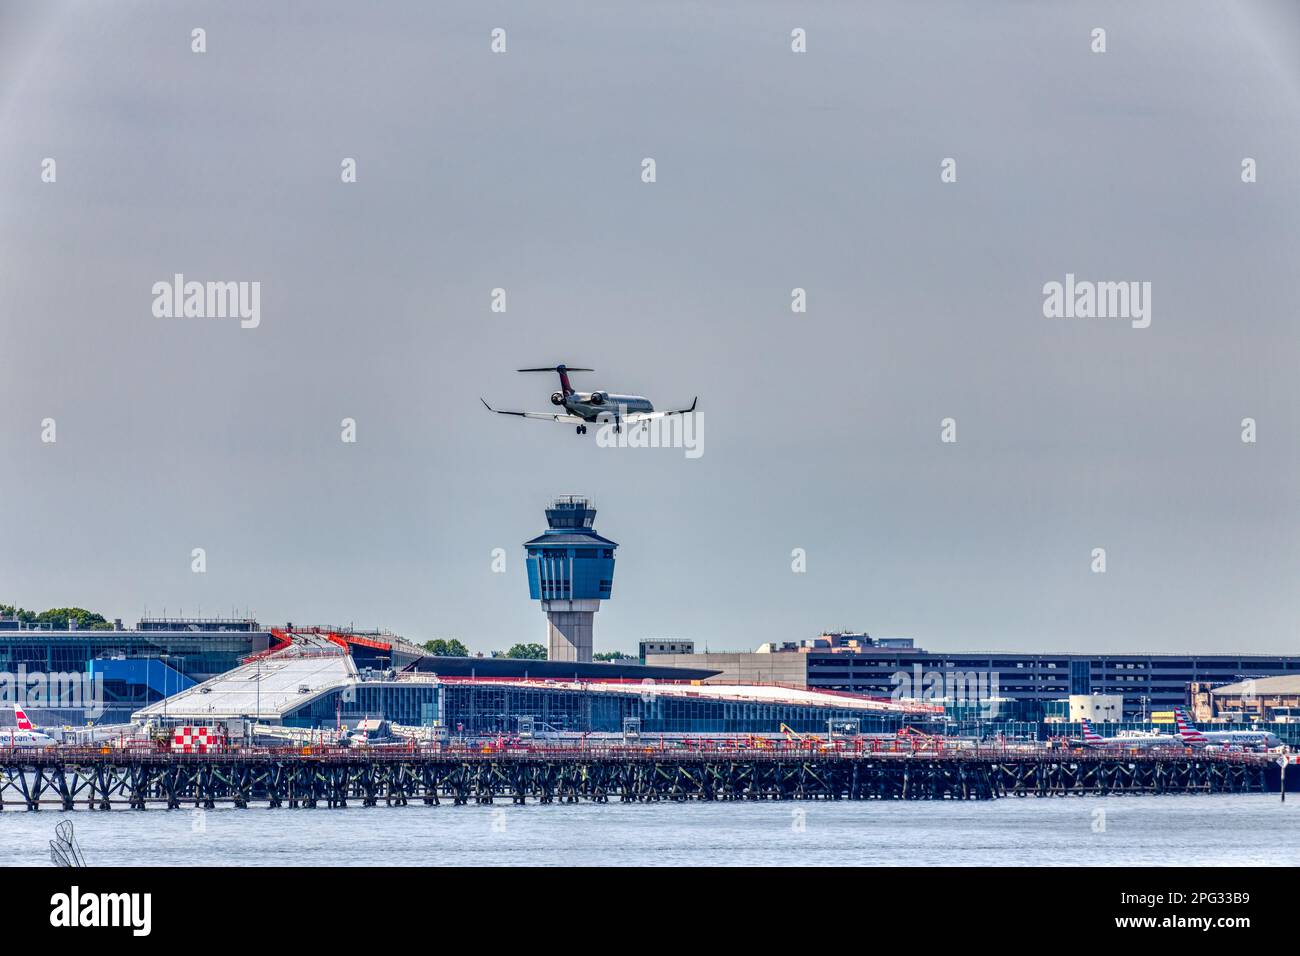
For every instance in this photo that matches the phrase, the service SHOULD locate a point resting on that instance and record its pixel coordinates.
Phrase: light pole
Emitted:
(162, 661)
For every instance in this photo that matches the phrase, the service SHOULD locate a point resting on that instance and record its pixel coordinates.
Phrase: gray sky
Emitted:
(775, 170)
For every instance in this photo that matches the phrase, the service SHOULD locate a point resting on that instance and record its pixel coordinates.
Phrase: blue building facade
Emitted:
(570, 560)
(412, 704)
(483, 709)
(129, 668)
(570, 570)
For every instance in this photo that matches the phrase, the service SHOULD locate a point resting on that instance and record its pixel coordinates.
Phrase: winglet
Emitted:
(693, 401)
(485, 404)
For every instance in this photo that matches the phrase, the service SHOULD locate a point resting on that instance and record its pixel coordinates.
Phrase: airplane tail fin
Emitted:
(1088, 733)
(563, 371)
(1186, 729)
(24, 723)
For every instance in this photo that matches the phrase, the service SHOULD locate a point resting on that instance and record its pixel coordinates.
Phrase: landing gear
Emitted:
(582, 429)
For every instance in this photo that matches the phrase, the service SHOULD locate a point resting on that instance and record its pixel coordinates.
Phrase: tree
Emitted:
(446, 647)
(58, 617)
(21, 614)
(613, 656)
(527, 652)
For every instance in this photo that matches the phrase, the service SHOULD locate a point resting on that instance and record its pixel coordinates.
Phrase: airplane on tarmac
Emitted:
(586, 408)
(1091, 739)
(20, 732)
(1257, 739)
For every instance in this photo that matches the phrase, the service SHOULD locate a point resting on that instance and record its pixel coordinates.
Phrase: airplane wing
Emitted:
(634, 417)
(544, 416)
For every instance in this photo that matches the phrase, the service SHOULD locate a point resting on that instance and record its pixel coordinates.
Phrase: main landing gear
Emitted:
(582, 429)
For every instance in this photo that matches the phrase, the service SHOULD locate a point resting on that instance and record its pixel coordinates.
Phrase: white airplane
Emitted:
(1091, 739)
(18, 730)
(586, 408)
(1256, 739)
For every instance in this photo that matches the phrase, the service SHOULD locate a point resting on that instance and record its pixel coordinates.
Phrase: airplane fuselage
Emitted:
(1257, 739)
(1240, 738)
(9, 737)
(590, 406)
(584, 409)
(1135, 742)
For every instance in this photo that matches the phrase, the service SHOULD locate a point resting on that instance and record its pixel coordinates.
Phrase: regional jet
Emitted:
(585, 408)
(1255, 739)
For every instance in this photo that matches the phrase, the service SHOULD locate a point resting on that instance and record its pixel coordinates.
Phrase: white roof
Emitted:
(1283, 686)
(764, 693)
(265, 689)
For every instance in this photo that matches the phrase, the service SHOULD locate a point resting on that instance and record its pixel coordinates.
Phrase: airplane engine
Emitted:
(557, 398)
(598, 398)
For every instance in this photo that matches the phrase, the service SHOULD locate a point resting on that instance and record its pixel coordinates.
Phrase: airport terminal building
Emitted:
(857, 663)
(673, 691)
(317, 688)
(159, 657)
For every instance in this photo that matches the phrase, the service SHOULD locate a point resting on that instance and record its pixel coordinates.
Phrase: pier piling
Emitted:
(103, 780)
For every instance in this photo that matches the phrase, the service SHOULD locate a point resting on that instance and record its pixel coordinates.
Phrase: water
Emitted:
(1082, 831)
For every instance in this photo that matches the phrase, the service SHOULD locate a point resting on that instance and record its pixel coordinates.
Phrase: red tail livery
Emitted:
(1185, 728)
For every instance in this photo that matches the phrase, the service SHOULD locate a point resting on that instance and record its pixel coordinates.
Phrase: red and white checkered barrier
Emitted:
(197, 740)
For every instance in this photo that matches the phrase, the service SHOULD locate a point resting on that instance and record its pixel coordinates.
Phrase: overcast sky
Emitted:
(775, 170)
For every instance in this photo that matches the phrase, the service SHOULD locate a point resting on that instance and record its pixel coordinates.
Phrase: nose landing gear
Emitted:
(582, 429)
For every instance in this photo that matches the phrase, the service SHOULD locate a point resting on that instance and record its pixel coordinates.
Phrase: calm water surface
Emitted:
(1081, 831)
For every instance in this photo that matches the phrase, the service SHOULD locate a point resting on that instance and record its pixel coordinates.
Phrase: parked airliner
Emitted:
(1091, 739)
(1256, 739)
(17, 730)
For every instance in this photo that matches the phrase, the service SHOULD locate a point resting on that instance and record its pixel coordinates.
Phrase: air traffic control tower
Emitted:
(570, 570)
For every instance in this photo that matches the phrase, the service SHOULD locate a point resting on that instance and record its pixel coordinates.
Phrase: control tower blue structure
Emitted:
(570, 570)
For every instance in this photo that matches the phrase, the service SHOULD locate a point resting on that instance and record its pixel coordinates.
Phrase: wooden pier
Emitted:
(103, 780)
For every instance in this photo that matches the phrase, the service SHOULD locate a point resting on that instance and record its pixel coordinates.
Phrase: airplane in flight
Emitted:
(1091, 739)
(1257, 739)
(17, 731)
(586, 408)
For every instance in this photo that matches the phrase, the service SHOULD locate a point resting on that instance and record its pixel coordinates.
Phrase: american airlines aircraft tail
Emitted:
(19, 731)
(1186, 729)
